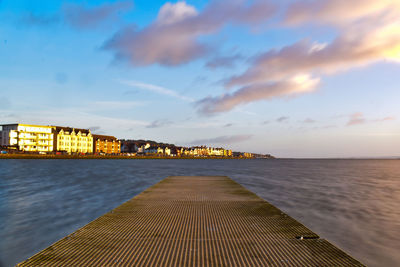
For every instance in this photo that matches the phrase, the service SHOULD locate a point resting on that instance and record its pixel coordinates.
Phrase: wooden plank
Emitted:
(193, 221)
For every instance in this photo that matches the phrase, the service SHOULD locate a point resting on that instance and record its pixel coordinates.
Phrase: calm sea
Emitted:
(355, 204)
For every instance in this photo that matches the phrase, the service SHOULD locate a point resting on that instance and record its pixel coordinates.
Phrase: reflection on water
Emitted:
(352, 203)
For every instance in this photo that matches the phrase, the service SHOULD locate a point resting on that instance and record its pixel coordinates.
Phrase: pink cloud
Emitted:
(385, 119)
(353, 48)
(257, 92)
(356, 118)
(173, 38)
(337, 11)
(270, 73)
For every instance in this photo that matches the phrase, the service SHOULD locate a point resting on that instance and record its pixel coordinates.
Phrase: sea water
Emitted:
(354, 204)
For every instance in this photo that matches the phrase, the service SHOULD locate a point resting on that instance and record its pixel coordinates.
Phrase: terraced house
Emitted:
(106, 144)
(73, 140)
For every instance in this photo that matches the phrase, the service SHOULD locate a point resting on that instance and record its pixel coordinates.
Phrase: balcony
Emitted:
(27, 143)
(26, 136)
(45, 137)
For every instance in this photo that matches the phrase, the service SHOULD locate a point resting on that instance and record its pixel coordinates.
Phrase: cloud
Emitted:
(329, 126)
(228, 125)
(76, 117)
(282, 119)
(354, 48)
(336, 11)
(39, 20)
(173, 38)
(158, 124)
(173, 13)
(102, 105)
(156, 89)
(82, 17)
(271, 74)
(8, 115)
(358, 118)
(199, 79)
(308, 120)
(256, 92)
(223, 62)
(94, 128)
(386, 119)
(222, 140)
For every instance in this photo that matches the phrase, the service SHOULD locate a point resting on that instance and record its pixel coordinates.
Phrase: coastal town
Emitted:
(59, 140)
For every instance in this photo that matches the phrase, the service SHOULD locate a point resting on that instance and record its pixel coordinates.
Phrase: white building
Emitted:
(27, 137)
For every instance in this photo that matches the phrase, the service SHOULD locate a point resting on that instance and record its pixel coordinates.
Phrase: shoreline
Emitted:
(38, 156)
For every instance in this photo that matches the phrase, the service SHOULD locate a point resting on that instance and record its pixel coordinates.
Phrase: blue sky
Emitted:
(290, 78)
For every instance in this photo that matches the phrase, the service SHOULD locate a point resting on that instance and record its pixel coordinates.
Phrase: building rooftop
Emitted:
(70, 129)
(104, 137)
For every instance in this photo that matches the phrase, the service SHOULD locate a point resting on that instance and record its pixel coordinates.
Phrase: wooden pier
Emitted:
(193, 221)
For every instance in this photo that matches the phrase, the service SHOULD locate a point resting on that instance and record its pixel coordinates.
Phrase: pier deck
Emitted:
(193, 221)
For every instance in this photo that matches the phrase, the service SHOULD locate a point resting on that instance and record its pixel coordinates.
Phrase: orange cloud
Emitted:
(257, 92)
(272, 73)
(337, 11)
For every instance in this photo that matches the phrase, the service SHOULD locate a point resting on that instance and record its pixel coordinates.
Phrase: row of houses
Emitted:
(142, 147)
(40, 138)
(58, 139)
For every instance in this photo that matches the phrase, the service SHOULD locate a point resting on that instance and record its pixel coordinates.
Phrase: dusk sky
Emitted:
(290, 78)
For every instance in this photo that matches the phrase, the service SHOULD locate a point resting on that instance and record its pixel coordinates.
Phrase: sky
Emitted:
(303, 78)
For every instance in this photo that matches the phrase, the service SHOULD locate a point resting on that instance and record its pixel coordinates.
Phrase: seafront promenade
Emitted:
(193, 221)
(52, 156)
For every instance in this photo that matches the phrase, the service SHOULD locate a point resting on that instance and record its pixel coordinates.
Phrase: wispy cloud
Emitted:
(79, 16)
(39, 20)
(358, 118)
(158, 124)
(223, 140)
(223, 62)
(173, 38)
(115, 104)
(77, 118)
(282, 119)
(385, 119)
(155, 89)
(94, 128)
(228, 125)
(329, 126)
(82, 17)
(308, 120)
